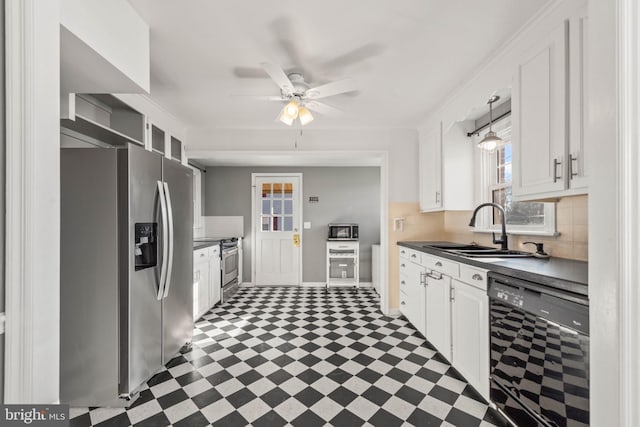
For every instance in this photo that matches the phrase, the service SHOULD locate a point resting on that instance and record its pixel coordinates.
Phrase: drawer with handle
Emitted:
(476, 277)
(441, 265)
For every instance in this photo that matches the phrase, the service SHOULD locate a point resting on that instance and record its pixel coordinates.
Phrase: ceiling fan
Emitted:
(301, 97)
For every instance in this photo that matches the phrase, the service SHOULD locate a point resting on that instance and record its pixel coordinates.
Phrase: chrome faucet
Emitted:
(503, 240)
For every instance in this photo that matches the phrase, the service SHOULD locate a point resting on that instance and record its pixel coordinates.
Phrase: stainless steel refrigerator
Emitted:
(126, 271)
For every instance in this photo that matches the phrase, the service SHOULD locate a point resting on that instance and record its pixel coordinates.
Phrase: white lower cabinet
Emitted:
(412, 291)
(206, 280)
(447, 302)
(201, 282)
(438, 312)
(470, 335)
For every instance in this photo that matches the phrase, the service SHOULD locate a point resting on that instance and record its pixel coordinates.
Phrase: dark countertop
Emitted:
(201, 244)
(559, 273)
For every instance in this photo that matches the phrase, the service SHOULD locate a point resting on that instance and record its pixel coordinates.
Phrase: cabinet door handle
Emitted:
(571, 160)
(403, 282)
(413, 256)
(402, 265)
(437, 197)
(556, 163)
(476, 277)
(403, 303)
(438, 264)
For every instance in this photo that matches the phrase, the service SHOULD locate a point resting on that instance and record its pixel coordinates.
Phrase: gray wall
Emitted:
(347, 194)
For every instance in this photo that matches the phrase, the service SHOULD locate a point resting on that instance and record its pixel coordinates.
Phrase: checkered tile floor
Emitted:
(296, 356)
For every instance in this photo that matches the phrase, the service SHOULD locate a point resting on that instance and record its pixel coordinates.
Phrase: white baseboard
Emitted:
(314, 284)
(323, 284)
(246, 285)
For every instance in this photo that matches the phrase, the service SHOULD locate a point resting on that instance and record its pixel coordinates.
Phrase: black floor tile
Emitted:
(384, 418)
(193, 420)
(158, 420)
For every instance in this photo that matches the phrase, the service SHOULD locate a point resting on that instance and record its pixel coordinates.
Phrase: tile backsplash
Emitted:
(572, 226)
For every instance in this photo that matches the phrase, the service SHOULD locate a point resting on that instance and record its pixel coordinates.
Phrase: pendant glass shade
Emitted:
(491, 140)
(305, 116)
(289, 113)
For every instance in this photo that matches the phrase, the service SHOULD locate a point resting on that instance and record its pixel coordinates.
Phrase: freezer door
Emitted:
(177, 306)
(140, 310)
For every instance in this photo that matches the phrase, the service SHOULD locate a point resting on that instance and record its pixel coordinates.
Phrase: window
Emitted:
(495, 186)
(277, 207)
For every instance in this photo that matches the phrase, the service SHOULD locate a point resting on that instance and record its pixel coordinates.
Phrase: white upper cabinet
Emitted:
(104, 48)
(539, 117)
(430, 169)
(446, 169)
(579, 161)
(550, 158)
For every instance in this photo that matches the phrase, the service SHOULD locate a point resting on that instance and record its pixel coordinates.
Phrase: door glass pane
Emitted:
(277, 223)
(277, 207)
(266, 191)
(265, 223)
(288, 223)
(288, 207)
(277, 190)
(288, 190)
(266, 207)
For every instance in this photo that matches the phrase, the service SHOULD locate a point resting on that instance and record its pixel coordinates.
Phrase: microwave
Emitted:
(343, 232)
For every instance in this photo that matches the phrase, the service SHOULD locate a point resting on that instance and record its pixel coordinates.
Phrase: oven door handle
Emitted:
(228, 252)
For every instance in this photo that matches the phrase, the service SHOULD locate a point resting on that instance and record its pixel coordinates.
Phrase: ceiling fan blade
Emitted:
(249, 73)
(354, 56)
(330, 89)
(261, 97)
(278, 76)
(322, 108)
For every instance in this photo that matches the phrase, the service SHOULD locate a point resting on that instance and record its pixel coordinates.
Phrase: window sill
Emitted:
(518, 232)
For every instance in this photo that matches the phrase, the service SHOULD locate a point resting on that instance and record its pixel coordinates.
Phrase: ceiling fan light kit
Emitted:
(294, 110)
(491, 140)
(301, 98)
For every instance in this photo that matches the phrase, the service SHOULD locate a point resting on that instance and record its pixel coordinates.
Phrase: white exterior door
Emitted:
(277, 229)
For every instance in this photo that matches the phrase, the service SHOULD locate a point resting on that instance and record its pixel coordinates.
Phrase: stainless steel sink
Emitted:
(491, 253)
(477, 251)
(446, 246)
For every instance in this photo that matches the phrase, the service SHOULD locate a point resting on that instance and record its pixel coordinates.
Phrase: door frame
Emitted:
(255, 175)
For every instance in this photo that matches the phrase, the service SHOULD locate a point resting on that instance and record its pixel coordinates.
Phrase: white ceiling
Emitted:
(405, 55)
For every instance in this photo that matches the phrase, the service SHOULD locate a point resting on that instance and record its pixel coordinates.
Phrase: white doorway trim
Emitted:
(254, 176)
(32, 256)
(332, 158)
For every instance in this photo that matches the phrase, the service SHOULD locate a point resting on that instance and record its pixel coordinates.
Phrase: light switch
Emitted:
(307, 225)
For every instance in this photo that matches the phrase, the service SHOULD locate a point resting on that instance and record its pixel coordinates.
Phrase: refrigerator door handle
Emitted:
(165, 241)
(171, 239)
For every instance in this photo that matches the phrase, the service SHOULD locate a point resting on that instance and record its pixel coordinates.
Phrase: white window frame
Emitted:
(485, 183)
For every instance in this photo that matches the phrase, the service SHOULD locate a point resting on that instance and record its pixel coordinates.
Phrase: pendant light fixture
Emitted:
(491, 140)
